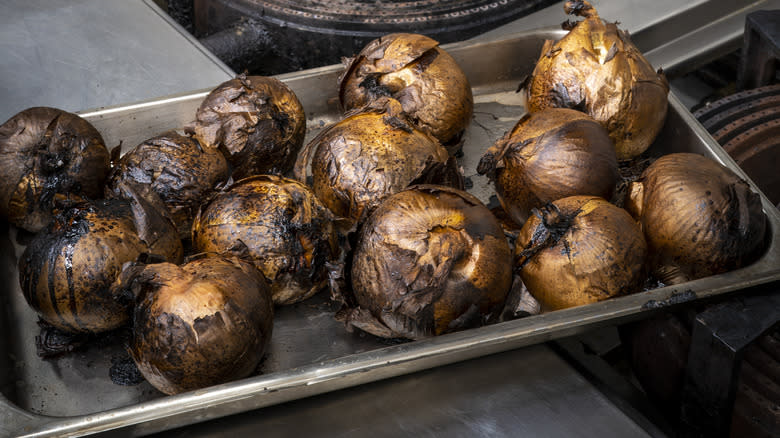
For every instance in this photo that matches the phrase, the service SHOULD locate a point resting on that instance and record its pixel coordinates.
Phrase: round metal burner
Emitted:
(310, 33)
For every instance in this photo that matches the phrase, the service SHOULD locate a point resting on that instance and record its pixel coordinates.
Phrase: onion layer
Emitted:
(47, 153)
(698, 216)
(429, 260)
(580, 250)
(550, 155)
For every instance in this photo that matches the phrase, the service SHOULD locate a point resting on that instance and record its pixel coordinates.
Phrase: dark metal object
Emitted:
(756, 405)
(719, 337)
(245, 46)
(747, 125)
(312, 33)
(761, 49)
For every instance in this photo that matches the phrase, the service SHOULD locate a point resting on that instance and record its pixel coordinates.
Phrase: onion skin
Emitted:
(280, 225)
(584, 251)
(175, 168)
(257, 121)
(412, 69)
(550, 155)
(596, 68)
(429, 260)
(67, 271)
(47, 153)
(698, 216)
(370, 155)
(206, 322)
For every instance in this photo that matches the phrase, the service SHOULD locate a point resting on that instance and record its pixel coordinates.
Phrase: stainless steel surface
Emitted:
(79, 54)
(523, 393)
(494, 68)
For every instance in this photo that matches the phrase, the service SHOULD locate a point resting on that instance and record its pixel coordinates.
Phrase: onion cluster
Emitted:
(46, 154)
(597, 69)
(414, 70)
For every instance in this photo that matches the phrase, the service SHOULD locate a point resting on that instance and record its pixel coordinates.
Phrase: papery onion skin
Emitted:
(258, 121)
(47, 153)
(175, 168)
(412, 69)
(698, 216)
(596, 68)
(280, 225)
(203, 323)
(550, 155)
(430, 260)
(586, 250)
(370, 155)
(67, 271)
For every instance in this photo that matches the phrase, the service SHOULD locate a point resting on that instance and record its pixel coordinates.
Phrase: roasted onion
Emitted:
(698, 216)
(47, 153)
(412, 69)
(280, 225)
(547, 156)
(258, 121)
(175, 168)
(67, 271)
(596, 68)
(370, 155)
(206, 322)
(579, 250)
(429, 260)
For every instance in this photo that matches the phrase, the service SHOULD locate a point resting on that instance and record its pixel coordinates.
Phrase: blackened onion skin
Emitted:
(203, 323)
(175, 168)
(277, 223)
(429, 260)
(698, 216)
(66, 272)
(46, 153)
(257, 121)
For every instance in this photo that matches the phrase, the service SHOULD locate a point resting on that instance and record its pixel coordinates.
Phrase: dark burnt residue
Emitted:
(675, 298)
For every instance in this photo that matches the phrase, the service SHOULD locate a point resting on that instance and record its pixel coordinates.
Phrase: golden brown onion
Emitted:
(698, 216)
(429, 260)
(257, 120)
(370, 155)
(596, 68)
(550, 155)
(580, 250)
(175, 168)
(412, 69)
(46, 153)
(280, 225)
(203, 323)
(66, 272)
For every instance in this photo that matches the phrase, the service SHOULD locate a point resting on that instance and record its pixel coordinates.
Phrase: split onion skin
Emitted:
(550, 155)
(47, 153)
(369, 155)
(257, 121)
(597, 69)
(203, 323)
(699, 217)
(412, 69)
(429, 260)
(176, 169)
(280, 225)
(580, 250)
(67, 271)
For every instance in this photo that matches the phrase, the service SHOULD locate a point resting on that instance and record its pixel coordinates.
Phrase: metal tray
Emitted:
(310, 352)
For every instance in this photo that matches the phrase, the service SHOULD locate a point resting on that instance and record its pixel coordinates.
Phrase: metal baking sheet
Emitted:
(310, 352)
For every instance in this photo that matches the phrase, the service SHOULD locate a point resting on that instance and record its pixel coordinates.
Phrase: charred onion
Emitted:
(46, 153)
(550, 155)
(698, 216)
(597, 69)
